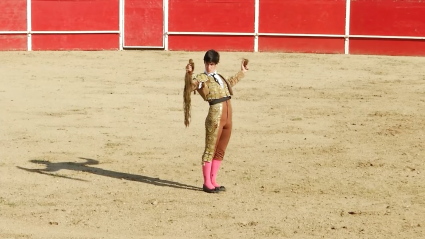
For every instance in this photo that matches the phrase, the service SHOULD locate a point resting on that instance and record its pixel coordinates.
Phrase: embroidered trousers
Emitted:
(218, 128)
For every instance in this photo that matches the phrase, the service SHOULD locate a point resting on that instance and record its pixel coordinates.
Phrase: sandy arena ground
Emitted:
(93, 145)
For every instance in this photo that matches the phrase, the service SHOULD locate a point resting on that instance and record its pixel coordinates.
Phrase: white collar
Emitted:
(216, 78)
(211, 74)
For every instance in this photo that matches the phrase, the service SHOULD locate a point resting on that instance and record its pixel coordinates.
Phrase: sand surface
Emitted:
(93, 145)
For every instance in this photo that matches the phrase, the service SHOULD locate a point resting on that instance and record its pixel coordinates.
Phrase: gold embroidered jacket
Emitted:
(211, 90)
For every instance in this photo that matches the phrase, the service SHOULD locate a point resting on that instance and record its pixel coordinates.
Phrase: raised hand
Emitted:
(244, 65)
(190, 67)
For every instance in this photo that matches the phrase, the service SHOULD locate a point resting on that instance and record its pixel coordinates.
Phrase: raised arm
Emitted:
(190, 84)
(236, 78)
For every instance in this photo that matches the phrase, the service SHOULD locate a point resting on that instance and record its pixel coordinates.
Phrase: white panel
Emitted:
(256, 24)
(29, 25)
(121, 23)
(347, 26)
(166, 25)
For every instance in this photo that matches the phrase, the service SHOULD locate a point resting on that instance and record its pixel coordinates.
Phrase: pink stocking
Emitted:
(206, 170)
(214, 170)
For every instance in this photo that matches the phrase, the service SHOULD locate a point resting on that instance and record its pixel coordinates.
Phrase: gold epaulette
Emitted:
(201, 77)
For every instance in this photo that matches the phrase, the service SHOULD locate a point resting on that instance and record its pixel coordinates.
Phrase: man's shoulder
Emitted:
(201, 77)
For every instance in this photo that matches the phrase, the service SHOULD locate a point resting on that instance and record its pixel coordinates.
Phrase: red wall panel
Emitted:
(75, 15)
(301, 44)
(388, 17)
(302, 16)
(143, 23)
(394, 47)
(211, 16)
(75, 42)
(13, 15)
(13, 42)
(204, 43)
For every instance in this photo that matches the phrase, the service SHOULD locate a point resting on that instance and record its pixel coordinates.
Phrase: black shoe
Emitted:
(220, 189)
(207, 190)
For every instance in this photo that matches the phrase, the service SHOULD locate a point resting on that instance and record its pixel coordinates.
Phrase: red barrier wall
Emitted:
(13, 42)
(86, 42)
(301, 44)
(302, 16)
(211, 16)
(13, 17)
(219, 43)
(82, 15)
(387, 18)
(393, 47)
(144, 24)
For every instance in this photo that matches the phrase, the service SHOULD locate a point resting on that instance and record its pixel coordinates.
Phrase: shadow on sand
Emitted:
(85, 167)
